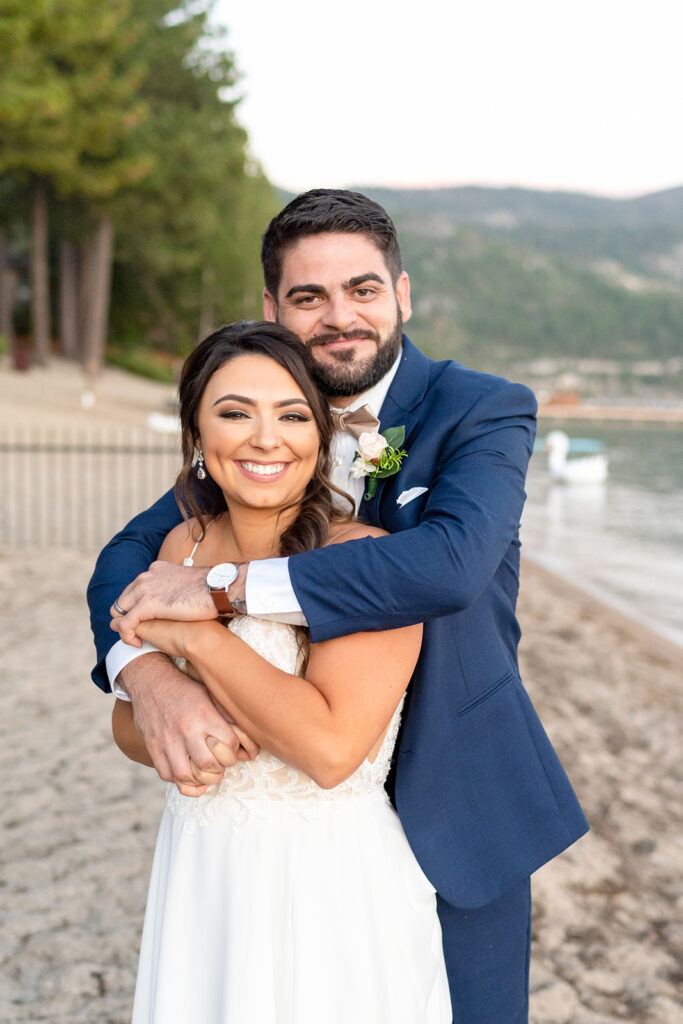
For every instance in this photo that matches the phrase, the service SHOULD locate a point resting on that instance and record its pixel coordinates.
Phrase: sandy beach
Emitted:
(79, 820)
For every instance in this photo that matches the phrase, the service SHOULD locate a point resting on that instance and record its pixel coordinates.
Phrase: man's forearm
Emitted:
(129, 553)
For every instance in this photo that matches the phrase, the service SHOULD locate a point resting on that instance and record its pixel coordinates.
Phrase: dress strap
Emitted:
(190, 558)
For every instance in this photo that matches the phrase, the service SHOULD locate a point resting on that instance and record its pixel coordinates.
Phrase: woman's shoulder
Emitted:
(354, 530)
(177, 544)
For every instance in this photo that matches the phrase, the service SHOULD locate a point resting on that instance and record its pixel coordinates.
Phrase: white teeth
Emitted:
(261, 470)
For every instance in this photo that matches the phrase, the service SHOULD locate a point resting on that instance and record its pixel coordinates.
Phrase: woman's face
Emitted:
(258, 434)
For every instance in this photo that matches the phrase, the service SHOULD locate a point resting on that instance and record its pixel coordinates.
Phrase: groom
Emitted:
(480, 792)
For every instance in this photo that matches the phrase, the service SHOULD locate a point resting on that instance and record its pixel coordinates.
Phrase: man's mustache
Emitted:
(324, 339)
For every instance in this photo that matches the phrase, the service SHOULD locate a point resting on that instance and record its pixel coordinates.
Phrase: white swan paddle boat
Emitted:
(588, 469)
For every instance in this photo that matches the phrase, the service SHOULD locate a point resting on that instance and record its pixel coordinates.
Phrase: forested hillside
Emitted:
(130, 210)
(503, 278)
(131, 214)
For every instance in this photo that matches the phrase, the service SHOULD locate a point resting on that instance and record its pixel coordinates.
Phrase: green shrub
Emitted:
(145, 362)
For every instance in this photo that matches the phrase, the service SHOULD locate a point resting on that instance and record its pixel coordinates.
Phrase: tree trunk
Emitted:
(68, 300)
(97, 278)
(39, 273)
(206, 307)
(7, 284)
(85, 293)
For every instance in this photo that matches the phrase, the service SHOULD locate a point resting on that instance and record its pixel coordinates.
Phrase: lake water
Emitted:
(621, 540)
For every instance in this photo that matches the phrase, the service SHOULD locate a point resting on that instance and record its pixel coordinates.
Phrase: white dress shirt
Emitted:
(269, 591)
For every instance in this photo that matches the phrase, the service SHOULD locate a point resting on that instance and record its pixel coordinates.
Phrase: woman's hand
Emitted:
(225, 755)
(169, 636)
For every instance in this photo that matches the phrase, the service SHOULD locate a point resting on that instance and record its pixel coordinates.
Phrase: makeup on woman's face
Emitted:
(258, 434)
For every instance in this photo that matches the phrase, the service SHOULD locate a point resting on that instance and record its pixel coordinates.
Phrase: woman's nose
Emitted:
(266, 435)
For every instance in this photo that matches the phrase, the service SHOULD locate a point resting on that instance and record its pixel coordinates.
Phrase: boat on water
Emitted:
(583, 469)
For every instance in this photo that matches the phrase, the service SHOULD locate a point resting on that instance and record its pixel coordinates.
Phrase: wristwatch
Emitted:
(218, 580)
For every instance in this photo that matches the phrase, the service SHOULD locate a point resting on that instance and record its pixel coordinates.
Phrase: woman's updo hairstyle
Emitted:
(203, 498)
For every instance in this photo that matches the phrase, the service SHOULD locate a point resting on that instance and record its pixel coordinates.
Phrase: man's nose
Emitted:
(339, 313)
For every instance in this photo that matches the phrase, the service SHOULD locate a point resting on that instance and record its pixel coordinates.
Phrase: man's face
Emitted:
(336, 293)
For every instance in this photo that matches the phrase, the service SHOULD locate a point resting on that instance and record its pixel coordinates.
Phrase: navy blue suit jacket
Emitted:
(481, 794)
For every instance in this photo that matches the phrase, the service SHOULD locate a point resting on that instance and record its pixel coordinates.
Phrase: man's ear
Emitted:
(269, 307)
(403, 296)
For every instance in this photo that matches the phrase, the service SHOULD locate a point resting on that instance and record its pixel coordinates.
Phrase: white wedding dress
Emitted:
(273, 901)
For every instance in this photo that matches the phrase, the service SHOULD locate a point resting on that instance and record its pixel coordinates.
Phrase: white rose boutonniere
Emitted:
(378, 456)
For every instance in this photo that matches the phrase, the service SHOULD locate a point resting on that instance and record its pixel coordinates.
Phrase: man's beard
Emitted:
(345, 378)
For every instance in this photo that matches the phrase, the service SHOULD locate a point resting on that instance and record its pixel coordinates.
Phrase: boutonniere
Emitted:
(377, 456)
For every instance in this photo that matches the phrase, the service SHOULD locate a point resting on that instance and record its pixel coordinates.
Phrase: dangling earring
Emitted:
(201, 472)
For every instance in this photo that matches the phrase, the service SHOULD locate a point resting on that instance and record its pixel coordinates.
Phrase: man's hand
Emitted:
(169, 591)
(175, 716)
(165, 591)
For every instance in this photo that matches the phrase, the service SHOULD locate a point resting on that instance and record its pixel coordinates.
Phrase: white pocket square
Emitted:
(407, 496)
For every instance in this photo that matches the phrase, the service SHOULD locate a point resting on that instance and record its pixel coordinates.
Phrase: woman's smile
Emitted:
(263, 471)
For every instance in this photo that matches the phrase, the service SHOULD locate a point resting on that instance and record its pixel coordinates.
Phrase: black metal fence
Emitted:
(75, 488)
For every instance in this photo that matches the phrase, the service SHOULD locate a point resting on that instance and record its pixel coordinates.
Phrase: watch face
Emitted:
(222, 575)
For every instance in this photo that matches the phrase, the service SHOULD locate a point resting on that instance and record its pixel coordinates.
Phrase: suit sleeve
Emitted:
(444, 563)
(128, 554)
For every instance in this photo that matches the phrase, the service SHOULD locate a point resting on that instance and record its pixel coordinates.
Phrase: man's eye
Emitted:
(364, 293)
(307, 300)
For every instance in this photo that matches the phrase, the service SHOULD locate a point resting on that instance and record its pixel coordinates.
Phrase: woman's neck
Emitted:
(254, 533)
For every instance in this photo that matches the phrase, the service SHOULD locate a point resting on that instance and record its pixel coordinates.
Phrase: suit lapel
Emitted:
(398, 409)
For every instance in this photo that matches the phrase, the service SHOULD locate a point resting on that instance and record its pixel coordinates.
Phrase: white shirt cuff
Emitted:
(118, 657)
(270, 594)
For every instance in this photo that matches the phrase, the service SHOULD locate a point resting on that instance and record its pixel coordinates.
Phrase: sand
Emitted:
(80, 820)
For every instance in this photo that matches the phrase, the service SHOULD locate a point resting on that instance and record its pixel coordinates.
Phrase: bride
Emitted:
(285, 891)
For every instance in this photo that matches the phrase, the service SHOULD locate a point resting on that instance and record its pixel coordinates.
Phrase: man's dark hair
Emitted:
(327, 210)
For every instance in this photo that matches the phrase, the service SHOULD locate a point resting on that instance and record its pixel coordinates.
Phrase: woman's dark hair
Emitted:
(328, 210)
(204, 499)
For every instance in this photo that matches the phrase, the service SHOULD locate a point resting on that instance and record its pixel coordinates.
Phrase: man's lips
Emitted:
(337, 341)
(263, 472)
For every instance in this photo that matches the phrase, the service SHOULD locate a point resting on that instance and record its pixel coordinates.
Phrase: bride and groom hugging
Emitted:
(480, 793)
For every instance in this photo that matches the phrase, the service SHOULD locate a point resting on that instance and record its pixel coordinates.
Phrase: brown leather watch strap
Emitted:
(222, 602)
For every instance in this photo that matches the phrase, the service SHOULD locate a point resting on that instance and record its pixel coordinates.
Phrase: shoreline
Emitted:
(653, 637)
(625, 413)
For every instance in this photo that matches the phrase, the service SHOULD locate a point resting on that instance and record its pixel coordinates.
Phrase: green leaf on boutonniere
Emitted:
(395, 436)
(392, 464)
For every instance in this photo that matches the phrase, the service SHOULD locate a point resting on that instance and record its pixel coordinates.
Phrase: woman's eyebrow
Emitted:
(235, 398)
(292, 401)
(251, 401)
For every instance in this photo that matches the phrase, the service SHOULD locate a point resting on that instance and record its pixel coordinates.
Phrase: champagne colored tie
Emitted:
(356, 422)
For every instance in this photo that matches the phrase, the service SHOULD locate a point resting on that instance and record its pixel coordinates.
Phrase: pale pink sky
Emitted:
(542, 93)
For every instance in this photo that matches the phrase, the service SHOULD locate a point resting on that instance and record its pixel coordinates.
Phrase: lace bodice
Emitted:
(268, 785)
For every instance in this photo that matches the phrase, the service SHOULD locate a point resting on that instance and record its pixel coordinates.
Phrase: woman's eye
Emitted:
(296, 417)
(233, 414)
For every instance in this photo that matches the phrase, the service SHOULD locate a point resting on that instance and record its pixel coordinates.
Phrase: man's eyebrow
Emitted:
(353, 282)
(250, 401)
(315, 289)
